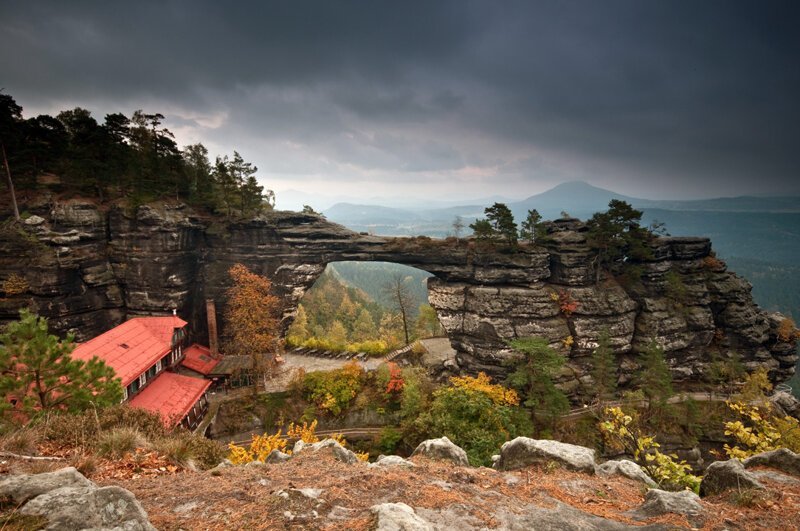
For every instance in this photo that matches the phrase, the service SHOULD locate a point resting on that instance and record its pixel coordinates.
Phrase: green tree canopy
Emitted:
(533, 375)
(616, 235)
(604, 368)
(529, 229)
(38, 373)
(654, 377)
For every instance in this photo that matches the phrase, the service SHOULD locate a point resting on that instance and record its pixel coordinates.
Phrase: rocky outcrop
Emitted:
(339, 452)
(658, 502)
(443, 449)
(625, 468)
(69, 501)
(88, 267)
(725, 475)
(522, 452)
(781, 459)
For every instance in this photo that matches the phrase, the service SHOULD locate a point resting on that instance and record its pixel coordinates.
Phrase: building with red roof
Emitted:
(141, 351)
(199, 359)
(177, 398)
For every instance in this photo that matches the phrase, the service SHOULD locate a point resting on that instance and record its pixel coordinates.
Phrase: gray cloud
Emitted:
(652, 98)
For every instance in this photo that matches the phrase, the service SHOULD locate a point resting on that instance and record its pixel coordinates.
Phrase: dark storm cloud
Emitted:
(673, 98)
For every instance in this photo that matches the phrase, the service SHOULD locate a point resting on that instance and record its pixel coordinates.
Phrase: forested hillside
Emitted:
(335, 315)
(134, 158)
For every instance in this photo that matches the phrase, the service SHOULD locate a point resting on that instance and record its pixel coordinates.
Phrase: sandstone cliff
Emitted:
(87, 268)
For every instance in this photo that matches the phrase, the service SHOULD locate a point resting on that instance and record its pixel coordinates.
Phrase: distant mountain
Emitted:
(577, 198)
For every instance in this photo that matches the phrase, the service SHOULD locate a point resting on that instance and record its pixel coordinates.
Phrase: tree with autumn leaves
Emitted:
(252, 320)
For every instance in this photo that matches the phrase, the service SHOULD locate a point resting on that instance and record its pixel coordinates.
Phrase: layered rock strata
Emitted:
(87, 268)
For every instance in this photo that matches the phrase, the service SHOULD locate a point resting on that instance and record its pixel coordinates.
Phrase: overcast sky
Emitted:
(450, 100)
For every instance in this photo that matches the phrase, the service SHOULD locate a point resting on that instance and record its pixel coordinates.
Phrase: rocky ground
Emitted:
(323, 487)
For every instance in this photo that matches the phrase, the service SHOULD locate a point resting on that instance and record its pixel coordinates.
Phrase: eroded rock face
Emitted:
(87, 268)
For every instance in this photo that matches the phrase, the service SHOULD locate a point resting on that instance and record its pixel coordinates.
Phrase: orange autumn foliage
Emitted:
(252, 313)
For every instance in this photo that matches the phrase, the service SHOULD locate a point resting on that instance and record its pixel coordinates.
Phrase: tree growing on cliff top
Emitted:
(530, 229)
(499, 225)
(251, 320)
(38, 373)
(616, 235)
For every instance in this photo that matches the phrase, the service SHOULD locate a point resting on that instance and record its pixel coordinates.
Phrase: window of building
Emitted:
(165, 361)
(151, 372)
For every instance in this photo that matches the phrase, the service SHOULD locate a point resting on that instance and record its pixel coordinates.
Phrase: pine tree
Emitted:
(604, 368)
(502, 220)
(654, 378)
(529, 228)
(37, 370)
(364, 328)
(533, 375)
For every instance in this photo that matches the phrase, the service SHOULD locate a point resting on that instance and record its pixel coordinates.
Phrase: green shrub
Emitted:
(475, 415)
(332, 391)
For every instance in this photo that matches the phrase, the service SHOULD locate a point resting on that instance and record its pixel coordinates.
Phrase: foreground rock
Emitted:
(522, 452)
(69, 501)
(725, 475)
(626, 468)
(658, 502)
(443, 449)
(781, 459)
(398, 517)
(391, 460)
(339, 452)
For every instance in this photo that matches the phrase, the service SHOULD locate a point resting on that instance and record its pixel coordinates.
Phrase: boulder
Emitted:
(89, 507)
(24, 487)
(723, 475)
(444, 449)
(658, 502)
(781, 459)
(391, 460)
(626, 468)
(398, 517)
(522, 452)
(339, 452)
(276, 456)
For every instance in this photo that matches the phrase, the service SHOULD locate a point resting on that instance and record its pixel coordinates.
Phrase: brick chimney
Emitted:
(213, 339)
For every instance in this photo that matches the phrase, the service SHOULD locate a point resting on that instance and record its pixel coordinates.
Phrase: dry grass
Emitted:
(120, 441)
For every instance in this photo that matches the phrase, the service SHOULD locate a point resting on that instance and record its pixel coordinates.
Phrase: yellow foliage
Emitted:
(260, 448)
(619, 431)
(362, 456)
(252, 313)
(568, 342)
(758, 430)
(306, 432)
(483, 384)
(15, 284)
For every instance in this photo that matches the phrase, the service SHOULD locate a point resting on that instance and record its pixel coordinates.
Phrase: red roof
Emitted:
(132, 347)
(198, 358)
(171, 395)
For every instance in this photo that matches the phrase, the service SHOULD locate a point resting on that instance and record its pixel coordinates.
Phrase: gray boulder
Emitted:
(339, 452)
(522, 452)
(723, 475)
(276, 456)
(391, 460)
(442, 448)
(23, 487)
(626, 468)
(781, 459)
(70, 508)
(658, 502)
(398, 517)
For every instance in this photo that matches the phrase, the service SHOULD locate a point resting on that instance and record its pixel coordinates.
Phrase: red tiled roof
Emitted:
(132, 347)
(198, 358)
(171, 395)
